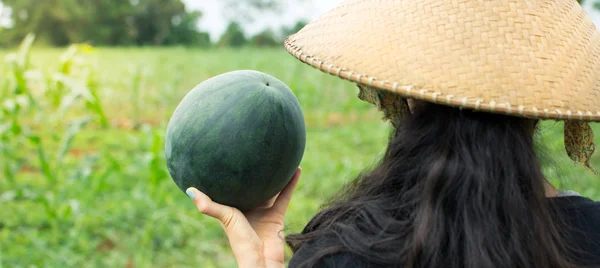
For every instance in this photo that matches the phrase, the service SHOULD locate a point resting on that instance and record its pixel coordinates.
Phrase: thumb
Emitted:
(228, 216)
(245, 243)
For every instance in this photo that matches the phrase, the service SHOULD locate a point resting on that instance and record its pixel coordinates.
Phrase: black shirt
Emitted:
(583, 214)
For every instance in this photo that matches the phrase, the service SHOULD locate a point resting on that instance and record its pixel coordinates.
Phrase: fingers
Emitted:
(285, 196)
(269, 203)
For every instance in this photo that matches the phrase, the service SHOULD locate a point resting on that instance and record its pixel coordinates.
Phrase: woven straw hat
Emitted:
(522, 57)
(528, 58)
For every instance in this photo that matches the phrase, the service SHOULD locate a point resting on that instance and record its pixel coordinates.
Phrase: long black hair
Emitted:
(455, 188)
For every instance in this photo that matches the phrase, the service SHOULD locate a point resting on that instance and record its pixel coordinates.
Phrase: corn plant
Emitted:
(20, 63)
(67, 89)
(56, 90)
(24, 120)
(16, 99)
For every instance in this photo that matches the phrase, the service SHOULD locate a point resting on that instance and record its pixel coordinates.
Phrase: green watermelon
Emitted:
(238, 137)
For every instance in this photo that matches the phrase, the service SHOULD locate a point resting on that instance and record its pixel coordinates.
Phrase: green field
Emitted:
(98, 195)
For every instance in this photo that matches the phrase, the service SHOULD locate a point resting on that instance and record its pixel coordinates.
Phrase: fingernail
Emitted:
(190, 193)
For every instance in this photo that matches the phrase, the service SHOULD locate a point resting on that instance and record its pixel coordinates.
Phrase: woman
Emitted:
(460, 184)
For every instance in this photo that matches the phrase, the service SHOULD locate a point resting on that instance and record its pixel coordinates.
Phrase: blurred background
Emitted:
(87, 89)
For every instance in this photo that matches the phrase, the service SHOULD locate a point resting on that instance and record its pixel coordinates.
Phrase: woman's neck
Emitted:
(551, 191)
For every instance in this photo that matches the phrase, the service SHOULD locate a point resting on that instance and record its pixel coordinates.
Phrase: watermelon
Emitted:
(238, 137)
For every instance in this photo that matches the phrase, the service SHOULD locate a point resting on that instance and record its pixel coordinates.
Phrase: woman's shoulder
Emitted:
(571, 199)
(582, 215)
(335, 259)
(580, 210)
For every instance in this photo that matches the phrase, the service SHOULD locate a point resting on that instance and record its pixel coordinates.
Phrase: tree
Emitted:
(233, 36)
(104, 22)
(113, 26)
(153, 20)
(265, 38)
(184, 31)
(41, 17)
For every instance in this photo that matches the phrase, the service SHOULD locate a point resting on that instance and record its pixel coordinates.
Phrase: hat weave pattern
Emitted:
(529, 58)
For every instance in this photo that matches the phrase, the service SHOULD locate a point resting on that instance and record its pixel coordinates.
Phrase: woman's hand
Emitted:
(256, 237)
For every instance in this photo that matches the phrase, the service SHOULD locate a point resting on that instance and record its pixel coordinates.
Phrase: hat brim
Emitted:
(535, 59)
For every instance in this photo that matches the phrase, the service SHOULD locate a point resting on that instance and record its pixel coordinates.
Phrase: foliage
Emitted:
(105, 22)
(27, 109)
(184, 31)
(133, 23)
(233, 36)
(266, 38)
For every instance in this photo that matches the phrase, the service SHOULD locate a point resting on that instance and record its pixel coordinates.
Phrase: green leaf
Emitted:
(24, 49)
(46, 201)
(44, 162)
(66, 60)
(74, 128)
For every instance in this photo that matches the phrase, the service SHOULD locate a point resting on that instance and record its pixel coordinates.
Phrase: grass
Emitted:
(85, 180)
